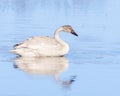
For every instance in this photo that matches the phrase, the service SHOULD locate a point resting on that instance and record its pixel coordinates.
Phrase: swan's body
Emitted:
(44, 46)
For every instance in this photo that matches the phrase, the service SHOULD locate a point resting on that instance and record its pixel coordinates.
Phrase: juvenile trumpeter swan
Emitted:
(43, 45)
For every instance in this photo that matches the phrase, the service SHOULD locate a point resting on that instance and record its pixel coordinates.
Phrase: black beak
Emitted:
(73, 32)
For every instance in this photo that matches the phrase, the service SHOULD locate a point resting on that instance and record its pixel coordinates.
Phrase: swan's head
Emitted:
(68, 28)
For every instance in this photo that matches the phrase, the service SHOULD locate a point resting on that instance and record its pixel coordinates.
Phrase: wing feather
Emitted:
(38, 42)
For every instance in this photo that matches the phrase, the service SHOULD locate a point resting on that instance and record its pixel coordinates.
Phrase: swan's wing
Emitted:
(37, 43)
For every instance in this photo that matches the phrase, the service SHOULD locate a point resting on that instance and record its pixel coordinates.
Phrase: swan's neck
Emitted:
(56, 36)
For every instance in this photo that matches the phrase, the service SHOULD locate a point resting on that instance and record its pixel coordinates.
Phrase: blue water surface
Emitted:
(92, 66)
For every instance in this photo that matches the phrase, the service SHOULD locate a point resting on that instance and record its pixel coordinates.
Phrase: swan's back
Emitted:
(40, 46)
(38, 42)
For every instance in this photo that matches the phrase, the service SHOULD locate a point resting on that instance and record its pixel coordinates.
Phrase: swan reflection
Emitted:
(45, 66)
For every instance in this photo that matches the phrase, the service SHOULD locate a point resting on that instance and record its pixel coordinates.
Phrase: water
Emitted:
(92, 67)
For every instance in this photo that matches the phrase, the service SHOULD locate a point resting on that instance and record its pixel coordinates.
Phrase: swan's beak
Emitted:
(73, 32)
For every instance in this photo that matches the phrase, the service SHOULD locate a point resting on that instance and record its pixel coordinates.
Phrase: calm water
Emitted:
(92, 67)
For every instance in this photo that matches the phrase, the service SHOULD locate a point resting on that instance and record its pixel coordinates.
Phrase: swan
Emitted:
(43, 45)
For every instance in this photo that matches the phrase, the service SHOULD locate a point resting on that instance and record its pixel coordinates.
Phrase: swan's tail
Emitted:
(23, 52)
(15, 51)
(12, 51)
